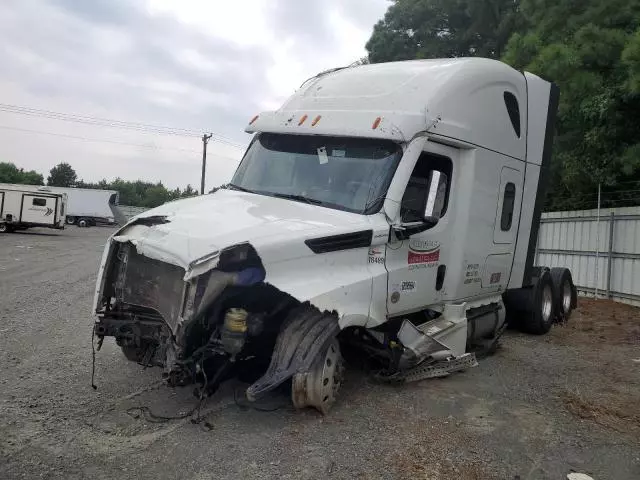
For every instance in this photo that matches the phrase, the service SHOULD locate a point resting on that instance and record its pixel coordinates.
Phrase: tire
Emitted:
(83, 222)
(70, 220)
(565, 293)
(5, 228)
(540, 314)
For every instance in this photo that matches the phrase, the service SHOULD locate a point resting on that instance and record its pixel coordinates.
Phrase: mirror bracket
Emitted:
(406, 230)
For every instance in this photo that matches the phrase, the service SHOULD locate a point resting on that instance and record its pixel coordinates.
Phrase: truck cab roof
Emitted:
(475, 100)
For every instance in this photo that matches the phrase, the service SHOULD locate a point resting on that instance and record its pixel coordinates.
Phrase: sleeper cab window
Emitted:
(513, 109)
(427, 193)
(39, 202)
(508, 203)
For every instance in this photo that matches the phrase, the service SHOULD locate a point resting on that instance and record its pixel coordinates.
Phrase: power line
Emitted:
(111, 123)
(97, 140)
(94, 120)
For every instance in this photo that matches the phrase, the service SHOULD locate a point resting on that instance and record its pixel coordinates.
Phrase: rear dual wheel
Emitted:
(564, 292)
(540, 314)
(551, 299)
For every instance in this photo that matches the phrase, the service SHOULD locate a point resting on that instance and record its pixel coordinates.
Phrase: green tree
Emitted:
(32, 178)
(62, 175)
(443, 28)
(189, 192)
(591, 49)
(9, 173)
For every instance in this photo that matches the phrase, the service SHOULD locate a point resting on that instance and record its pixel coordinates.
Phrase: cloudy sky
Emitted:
(199, 65)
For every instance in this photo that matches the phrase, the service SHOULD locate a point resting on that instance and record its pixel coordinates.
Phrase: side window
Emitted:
(513, 109)
(427, 193)
(39, 202)
(508, 203)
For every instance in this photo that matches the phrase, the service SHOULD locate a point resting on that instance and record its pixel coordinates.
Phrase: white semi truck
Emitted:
(87, 206)
(24, 206)
(392, 209)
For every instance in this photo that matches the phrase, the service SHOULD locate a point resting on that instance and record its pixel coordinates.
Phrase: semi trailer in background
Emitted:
(88, 207)
(390, 208)
(25, 206)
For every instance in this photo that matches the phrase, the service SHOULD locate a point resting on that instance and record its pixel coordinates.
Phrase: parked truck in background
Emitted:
(88, 207)
(391, 208)
(25, 206)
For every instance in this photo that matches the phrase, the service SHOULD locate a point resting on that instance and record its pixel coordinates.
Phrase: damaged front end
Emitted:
(212, 320)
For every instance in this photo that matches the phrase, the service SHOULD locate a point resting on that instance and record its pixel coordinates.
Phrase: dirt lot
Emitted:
(538, 409)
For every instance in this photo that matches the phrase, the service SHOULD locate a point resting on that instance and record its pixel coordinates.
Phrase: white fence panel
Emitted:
(603, 254)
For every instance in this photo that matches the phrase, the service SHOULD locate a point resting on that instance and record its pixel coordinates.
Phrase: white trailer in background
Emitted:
(24, 206)
(88, 207)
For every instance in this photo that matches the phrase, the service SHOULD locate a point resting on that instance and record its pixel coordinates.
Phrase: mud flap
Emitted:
(303, 336)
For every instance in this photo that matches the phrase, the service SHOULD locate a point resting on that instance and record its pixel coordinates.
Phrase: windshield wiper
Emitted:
(298, 198)
(238, 187)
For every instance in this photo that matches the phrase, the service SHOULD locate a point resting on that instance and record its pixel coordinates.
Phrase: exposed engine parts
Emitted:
(231, 323)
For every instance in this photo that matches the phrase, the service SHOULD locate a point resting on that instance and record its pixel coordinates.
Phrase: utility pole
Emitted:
(205, 141)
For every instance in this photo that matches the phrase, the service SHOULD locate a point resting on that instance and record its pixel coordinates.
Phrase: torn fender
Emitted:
(339, 281)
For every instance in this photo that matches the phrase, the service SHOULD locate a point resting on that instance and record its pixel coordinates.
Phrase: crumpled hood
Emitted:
(193, 229)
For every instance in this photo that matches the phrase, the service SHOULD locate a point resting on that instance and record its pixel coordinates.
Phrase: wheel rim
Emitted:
(567, 295)
(82, 223)
(318, 388)
(547, 303)
(3, 227)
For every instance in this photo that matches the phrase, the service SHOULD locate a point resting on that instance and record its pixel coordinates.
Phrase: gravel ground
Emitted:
(538, 409)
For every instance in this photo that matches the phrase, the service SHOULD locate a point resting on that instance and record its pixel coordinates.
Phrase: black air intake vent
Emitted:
(345, 241)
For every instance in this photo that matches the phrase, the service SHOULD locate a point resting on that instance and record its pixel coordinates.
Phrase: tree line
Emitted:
(137, 193)
(590, 49)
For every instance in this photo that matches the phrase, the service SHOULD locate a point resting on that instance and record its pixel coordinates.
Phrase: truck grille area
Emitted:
(149, 283)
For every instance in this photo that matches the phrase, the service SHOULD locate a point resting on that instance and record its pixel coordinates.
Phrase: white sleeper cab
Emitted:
(25, 206)
(387, 210)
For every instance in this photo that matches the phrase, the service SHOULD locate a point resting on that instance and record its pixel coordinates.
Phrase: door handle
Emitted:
(442, 270)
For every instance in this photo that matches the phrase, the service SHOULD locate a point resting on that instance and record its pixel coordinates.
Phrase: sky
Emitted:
(199, 65)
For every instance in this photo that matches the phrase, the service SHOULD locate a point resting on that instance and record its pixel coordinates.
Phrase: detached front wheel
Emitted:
(319, 387)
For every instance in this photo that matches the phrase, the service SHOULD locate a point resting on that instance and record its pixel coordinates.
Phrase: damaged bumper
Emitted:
(202, 322)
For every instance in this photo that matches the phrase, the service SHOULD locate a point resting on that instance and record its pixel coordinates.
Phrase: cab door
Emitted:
(510, 192)
(416, 264)
(498, 263)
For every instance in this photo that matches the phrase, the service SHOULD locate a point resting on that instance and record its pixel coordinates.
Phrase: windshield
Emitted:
(350, 174)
